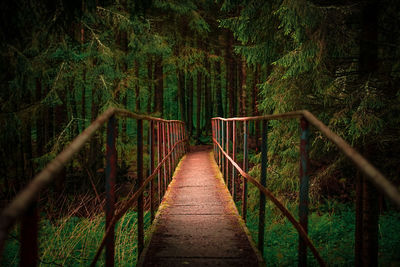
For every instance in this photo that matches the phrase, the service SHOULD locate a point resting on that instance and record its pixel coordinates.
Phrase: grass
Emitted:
(331, 228)
(73, 241)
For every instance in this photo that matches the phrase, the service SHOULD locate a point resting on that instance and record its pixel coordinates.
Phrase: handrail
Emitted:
(277, 203)
(129, 203)
(175, 132)
(373, 174)
(221, 130)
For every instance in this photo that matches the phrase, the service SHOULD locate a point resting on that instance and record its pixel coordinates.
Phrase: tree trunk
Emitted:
(48, 123)
(368, 66)
(181, 94)
(231, 74)
(235, 80)
(27, 149)
(83, 96)
(256, 80)
(199, 90)
(207, 97)
(190, 104)
(137, 92)
(95, 158)
(61, 118)
(242, 97)
(123, 40)
(74, 111)
(198, 104)
(218, 87)
(39, 121)
(159, 89)
(150, 82)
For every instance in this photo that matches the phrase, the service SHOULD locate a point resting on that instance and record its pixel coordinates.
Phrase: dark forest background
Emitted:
(64, 62)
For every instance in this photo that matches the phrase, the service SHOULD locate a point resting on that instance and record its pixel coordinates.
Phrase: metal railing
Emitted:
(171, 141)
(221, 128)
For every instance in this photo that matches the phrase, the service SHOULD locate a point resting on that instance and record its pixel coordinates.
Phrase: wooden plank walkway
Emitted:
(198, 223)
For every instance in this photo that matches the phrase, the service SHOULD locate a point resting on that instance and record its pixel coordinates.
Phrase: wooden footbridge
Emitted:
(197, 223)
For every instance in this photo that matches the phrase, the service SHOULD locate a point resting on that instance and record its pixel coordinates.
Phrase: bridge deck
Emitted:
(198, 223)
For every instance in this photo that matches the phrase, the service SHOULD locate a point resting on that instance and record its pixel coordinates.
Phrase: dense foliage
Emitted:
(319, 55)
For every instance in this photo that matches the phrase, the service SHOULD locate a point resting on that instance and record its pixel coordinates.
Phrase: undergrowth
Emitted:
(331, 228)
(73, 241)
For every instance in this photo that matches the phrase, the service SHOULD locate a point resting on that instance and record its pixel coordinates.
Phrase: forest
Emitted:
(65, 62)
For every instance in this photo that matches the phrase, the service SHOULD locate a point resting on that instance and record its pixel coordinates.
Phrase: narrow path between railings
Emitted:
(197, 223)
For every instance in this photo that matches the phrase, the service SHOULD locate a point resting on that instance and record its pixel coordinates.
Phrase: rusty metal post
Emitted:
(183, 138)
(182, 130)
(212, 136)
(111, 171)
(304, 185)
(168, 150)
(151, 139)
(217, 138)
(162, 158)
(29, 236)
(186, 136)
(227, 152)
(176, 150)
(177, 139)
(140, 201)
(263, 181)
(158, 161)
(180, 139)
(245, 168)
(171, 145)
(234, 159)
(223, 147)
(220, 143)
(171, 158)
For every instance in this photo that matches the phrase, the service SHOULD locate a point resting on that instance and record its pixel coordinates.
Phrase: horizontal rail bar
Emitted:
(372, 174)
(279, 205)
(21, 202)
(130, 202)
